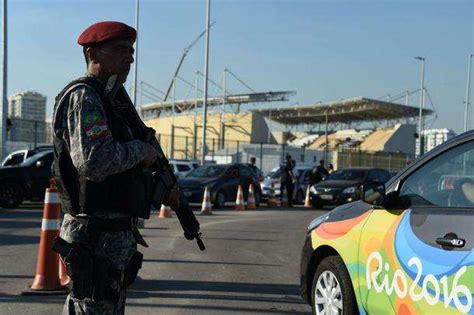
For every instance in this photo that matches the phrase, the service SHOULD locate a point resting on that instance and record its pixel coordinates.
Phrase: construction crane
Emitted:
(185, 53)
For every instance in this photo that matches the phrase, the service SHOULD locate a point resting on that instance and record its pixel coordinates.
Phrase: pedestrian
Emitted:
(319, 173)
(253, 165)
(99, 165)
(287, 180)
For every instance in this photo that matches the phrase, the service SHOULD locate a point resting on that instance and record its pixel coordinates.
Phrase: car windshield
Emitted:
(348, 175)
(14, 159)
(273, 174)
(208, 171)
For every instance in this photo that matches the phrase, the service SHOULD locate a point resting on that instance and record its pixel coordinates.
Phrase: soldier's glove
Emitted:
(173, 198)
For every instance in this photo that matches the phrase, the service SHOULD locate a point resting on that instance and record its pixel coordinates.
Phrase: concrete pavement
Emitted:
(250, 266)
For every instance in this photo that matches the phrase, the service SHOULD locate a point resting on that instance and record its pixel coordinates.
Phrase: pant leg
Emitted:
(111, 255)
(282, 187)
(289, 189)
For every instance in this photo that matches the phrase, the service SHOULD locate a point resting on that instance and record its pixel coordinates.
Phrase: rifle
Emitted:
(164, 179)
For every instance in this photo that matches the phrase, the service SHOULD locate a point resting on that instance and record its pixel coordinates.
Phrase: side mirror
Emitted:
(373, 193)
(39, 164)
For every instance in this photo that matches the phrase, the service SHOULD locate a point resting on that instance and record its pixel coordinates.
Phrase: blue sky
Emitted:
(325, 50)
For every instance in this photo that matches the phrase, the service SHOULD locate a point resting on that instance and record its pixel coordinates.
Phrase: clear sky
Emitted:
(325, 50)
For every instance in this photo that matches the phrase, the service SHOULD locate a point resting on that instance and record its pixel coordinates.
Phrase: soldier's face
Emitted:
(115, 58)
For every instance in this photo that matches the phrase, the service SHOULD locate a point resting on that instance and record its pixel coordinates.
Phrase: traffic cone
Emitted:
(63, 276)
(206, 208)
(165, 212)
(239, 202)
(251, 199)
(284, 197)
(307, 201)
(47, 279)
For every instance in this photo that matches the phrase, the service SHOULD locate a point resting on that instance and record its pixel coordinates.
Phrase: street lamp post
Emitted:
(204, 103)
(421, 145)
(5, 80)
(466, 101)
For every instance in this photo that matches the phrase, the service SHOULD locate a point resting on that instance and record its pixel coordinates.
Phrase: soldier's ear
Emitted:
(92, 55)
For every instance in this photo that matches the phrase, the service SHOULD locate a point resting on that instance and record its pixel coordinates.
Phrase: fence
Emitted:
(393, 162)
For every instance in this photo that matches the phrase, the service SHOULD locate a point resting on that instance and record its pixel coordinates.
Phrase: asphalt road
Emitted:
(250, 266)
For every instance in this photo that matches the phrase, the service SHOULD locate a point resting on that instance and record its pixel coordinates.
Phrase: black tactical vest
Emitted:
(126, 192)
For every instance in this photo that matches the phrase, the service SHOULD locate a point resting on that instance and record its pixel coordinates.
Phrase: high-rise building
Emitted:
(27, 113)
(434, 137)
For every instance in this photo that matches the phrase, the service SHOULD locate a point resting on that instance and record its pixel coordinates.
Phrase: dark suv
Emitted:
(26, 181)
(223, 181)
(344, 186)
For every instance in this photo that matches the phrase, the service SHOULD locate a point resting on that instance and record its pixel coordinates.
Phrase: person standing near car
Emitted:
(99, 167)
(319, 173)
(252, 164)
(287, 180)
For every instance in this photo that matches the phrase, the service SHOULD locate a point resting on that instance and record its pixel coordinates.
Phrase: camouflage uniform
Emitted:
(81, 122)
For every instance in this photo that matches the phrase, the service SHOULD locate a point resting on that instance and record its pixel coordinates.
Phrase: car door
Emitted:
(231, 183)
(40, 174)
(417, 255)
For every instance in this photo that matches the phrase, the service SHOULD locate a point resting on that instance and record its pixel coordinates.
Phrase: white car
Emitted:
(182, 168)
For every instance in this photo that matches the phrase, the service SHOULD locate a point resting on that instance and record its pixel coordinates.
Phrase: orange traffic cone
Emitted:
(165, 212)
(47, 269)
(63, 276)
(206, 202)
(284, 197)
(251, 199)
(239, 202)
(307, 201)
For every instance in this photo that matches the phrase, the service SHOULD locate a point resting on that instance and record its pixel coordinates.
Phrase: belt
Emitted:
(106, 225)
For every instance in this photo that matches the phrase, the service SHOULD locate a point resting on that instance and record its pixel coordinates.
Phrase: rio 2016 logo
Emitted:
(399, 284)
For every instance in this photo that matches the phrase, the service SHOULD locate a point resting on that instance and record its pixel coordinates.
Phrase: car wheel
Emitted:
(332, 291)
(219, 202)
(299, 197)
(11, 195)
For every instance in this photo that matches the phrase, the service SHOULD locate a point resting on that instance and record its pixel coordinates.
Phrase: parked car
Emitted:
(223, 181)
(302, 174)
(19, 156)
(272, 178)
(182, 168)
(26, 181)
(344, 185)
(407, 248)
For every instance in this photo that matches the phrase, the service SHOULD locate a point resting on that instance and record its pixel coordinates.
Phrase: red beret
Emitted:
(100, 32)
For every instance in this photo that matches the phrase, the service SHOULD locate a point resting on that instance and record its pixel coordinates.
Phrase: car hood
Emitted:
(195, 181)
(267, 182)
(338, 183)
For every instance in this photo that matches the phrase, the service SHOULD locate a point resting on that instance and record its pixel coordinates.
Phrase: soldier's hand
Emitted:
(173, 198)
(151, 157)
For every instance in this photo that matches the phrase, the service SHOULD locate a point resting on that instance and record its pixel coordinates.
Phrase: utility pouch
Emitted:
(143, 187)
(134, 265)
(104, 276)
(79, 267)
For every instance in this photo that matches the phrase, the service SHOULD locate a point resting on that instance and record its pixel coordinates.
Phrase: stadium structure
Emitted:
(357, 124)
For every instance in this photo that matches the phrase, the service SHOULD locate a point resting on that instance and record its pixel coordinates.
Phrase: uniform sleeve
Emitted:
(94, 152)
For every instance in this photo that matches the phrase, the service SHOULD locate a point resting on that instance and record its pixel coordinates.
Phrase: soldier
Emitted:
(99, 167)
